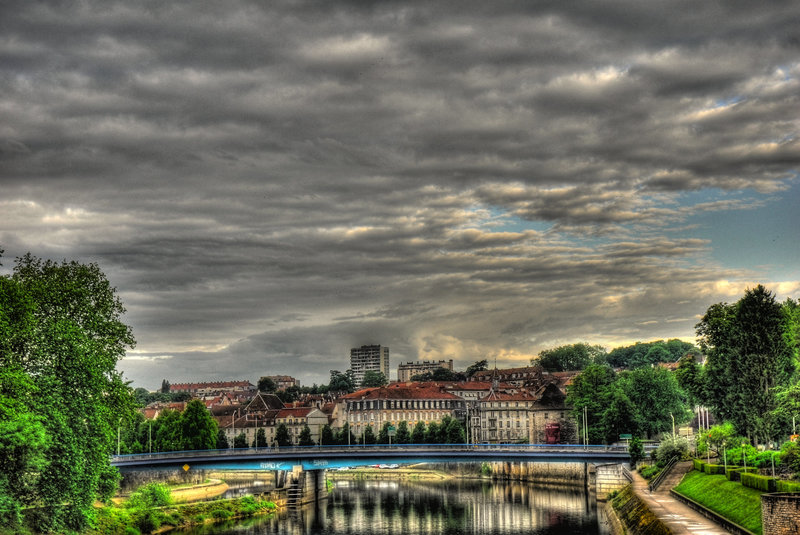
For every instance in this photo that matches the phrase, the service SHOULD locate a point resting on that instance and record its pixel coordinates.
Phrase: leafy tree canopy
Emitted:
(374, 378)
(569, 357)
(478, 366)
(61, 397)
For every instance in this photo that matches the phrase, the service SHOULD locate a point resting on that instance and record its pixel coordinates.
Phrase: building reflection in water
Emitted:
(469, 507)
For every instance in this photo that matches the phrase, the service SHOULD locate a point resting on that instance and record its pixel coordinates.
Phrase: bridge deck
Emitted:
(317, 457)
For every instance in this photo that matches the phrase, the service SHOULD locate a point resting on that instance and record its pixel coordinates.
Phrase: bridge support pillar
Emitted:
(306, 486)
(609, 478)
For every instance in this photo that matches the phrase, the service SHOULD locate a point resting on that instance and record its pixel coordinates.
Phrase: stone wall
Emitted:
(780, 513)
(610, 478)
(561, 474)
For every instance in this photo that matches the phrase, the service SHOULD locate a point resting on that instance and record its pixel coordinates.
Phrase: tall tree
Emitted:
(655, 394)
(418, 433)
(750, 358)
(261, 439)
(305, 437)
(282, 435)
(66, 345)
(341, 382)
(198, 428)
(591, 390)
(403, 434)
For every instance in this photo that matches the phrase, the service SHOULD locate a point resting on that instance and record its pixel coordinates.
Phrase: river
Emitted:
(449, 507)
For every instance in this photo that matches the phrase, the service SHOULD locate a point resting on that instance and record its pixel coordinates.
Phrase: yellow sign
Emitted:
(185, 467)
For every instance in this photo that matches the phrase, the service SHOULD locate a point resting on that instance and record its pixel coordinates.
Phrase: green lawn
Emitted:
(730, 499)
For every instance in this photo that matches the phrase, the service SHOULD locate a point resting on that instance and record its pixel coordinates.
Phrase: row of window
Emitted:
(403, 404)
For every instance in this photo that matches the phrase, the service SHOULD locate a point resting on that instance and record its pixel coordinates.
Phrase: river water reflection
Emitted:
(452, 507)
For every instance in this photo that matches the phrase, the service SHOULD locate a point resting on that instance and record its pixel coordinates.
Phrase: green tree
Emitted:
(749, 359)
(690, 378)
(345, 435)
(478, 366)
(198, 428)
(369, 436)
(418, 434)
(374, 378)
(327, 438)
(657, 397)
(261, 439)
(63, 336)
(568, 357)
(282, 435)
(341, 382)
(222, 440)
(267, 385)
(591, 390)
(636, 451)
(620, 417)
(167, 431)
(455, 432)
(432, 433)
(403, 434)
(305, 437)
(240, 441)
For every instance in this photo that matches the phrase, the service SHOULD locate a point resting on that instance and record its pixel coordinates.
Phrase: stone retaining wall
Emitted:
(780, 513)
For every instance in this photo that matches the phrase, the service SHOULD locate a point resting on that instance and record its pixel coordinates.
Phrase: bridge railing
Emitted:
(380, 448)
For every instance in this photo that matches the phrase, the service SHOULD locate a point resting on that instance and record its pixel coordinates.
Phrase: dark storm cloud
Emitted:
(270, 184)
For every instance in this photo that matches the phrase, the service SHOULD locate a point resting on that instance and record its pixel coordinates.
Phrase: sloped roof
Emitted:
(403, 391)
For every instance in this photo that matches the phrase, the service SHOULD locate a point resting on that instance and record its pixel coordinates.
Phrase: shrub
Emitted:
(699, 465)
(148, 521)
(735, 474)
(790, 456)
(783, 485)
(672, 446)
(649, 472)
(713, 469)
(221, 514)
(149, 496)
(755, 481)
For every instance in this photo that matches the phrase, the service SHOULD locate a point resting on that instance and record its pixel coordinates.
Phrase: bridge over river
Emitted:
(330, 457)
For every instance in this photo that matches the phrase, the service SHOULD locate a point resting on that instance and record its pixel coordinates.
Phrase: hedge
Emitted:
(783, 485)
(735, 474)
(698, 465)
(755, 481)
(712, 469)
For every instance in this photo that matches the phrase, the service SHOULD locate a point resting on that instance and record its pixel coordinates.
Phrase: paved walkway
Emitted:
(680, 518)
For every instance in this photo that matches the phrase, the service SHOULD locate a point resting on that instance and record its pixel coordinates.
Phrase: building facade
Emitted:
(412, 403)
(408, 370)
(369, 358)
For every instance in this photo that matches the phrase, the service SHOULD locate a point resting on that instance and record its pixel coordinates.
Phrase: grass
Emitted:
(730, 499)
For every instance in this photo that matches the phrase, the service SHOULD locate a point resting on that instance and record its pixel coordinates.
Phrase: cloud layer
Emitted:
(269, 184)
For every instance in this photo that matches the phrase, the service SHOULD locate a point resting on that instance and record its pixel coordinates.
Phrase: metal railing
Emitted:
(378, 448)
(654, 484)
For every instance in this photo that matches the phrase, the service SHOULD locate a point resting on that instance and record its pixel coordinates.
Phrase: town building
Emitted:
(407, 370)
(213, 388)
(282, 382)
(409, 402)
(366, 358)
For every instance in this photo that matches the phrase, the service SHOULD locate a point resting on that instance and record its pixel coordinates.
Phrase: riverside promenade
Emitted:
(680, 518)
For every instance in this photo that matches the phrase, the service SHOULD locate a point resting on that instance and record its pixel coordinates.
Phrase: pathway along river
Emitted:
(448, 507)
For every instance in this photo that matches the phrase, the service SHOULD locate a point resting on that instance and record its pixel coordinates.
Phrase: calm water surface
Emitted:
(453, 507)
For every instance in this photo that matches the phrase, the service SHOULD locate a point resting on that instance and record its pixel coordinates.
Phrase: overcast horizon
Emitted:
(270, 184)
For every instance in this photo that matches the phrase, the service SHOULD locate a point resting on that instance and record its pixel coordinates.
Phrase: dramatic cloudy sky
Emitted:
(268, 184)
